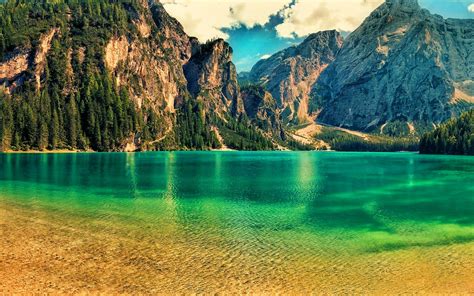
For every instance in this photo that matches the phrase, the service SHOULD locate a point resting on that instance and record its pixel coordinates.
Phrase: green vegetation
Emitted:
(78, 105)
(456, 136)
(23, 21)
(240, 134)
(342, 141)
(192, 131)
(297, 146)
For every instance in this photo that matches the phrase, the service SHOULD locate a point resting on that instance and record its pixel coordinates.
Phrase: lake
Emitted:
(258, 222)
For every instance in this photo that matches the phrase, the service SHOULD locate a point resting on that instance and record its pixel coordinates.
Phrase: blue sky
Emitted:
(258, 28)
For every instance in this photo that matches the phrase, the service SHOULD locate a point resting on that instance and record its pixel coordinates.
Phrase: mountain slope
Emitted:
(114, 76)
(402, 67)
(290, 74)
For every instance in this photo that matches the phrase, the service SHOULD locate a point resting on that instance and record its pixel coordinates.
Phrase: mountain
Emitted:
(124, 76)
(115, 76)
(261, 108)
(402, 71)
(212, 77)
(290, 74)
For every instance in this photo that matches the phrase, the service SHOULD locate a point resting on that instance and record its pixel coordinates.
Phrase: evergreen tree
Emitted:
(456, 136)
(2, 46)
(6, 123)
(54, 131)
(43, 135)
(73, 125)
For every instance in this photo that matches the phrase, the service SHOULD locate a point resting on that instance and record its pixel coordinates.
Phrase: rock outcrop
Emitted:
(173, 36)
(116, 51)
(262, 109)
(13, 70)
(290, 74)
(402, 64)
(93, 72)
(41, 53)
(212, 77)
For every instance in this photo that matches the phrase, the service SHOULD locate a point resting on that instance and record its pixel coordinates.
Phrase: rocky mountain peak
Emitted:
(217, 49)
(322, 37)
(172, 31)
(403, 4)
(212, 76)
(289, 74)
(328, 41)
(401, 67)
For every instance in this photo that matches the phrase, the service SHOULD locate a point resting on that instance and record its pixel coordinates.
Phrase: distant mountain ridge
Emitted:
(402, 72)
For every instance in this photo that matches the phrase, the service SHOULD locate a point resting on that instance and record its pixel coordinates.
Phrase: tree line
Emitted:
(78, 105)
(342, 141)
(456, 136)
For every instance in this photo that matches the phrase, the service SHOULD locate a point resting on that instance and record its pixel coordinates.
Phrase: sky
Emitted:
(258, 28)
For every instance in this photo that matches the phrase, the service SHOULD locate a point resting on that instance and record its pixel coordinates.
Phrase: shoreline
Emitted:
(41, 248)
(61, 151)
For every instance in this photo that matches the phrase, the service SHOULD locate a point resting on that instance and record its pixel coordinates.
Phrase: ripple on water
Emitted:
(257, 223)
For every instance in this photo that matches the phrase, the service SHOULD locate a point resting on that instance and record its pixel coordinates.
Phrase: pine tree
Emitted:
(73, 126)
(6, 123)
(2, 46)
(54, 131)
(453, 137)
(43, 134)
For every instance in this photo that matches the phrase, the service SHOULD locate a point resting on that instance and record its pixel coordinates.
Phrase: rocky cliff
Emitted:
(290, 74)
(212, 78)
(262, 109)
(404, 66)
(115, 76)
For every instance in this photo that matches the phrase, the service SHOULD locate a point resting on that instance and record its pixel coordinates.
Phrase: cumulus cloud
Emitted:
(471, 8)
(309, 16)
(205, 19)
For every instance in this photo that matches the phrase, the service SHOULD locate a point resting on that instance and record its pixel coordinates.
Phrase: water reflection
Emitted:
(131, 174)
(276, 190)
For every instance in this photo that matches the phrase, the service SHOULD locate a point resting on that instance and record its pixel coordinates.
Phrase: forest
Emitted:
(83, 110)
(78, 106)
(455, 136)
(342, 141)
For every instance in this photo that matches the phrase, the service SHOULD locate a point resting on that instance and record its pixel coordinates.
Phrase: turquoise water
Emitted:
(285, 212)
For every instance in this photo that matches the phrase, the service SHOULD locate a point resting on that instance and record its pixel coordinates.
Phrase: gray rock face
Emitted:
(261, 108)
(159, 64)
(212, 77)
(173, 33)
(402, 64)
(290, 74)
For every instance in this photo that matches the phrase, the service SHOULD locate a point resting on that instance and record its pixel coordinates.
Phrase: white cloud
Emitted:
(309, 16)
(471, 8)
(265, 56)
(205, 19)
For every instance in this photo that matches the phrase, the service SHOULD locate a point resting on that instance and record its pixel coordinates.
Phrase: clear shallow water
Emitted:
(239, 221)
